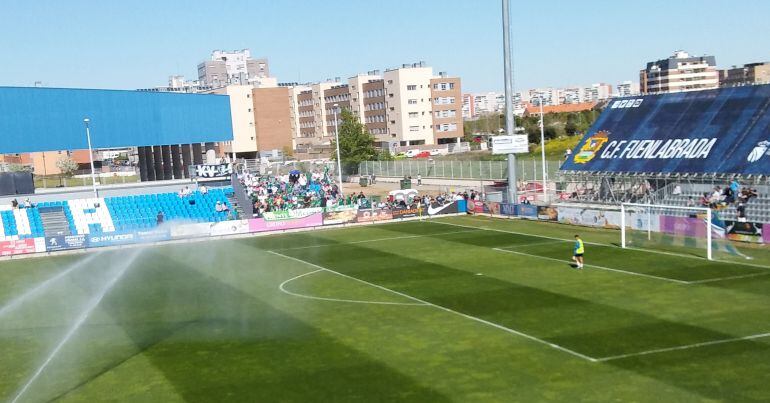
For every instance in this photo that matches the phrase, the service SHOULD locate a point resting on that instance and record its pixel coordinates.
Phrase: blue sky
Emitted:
(137, 44)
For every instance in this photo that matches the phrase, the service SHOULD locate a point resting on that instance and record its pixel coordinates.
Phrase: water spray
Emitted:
(16, 302)
(84, 315)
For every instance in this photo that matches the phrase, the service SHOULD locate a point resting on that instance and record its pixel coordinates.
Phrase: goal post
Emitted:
(652, 226)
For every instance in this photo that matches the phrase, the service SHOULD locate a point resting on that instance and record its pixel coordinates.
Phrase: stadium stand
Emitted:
(112, 214)
(640, 148)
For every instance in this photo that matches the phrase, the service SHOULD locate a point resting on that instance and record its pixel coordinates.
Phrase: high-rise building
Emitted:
(403, 106)
(232, 67)
(679, 72)
(447, 109)
(752, 73)
(627, 89)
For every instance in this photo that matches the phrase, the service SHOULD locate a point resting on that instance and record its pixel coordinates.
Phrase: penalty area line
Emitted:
(443, 308)
(685, 347)
(283, 289)
(596, 267)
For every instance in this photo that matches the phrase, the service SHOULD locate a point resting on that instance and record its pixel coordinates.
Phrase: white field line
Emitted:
(445, 309)
(660, 252)
(596, 267)
(712, 280)
(686, 347)
(282, 287)
(378, 240)
(523, 245)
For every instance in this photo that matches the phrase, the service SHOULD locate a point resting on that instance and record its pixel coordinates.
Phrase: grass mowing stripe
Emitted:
(597, 267)
(378, 239)
(445, 309)
(686, 347)
(282, 287)
(605, 245)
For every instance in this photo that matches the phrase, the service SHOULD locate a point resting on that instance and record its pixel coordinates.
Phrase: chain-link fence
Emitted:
(528, 169)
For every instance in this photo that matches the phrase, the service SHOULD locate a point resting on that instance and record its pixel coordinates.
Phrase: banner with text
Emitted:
(712, 131)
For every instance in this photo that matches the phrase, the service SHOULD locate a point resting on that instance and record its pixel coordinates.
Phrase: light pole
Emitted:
(337, 142)
(542, 150)
(91, 156)
(510, 123)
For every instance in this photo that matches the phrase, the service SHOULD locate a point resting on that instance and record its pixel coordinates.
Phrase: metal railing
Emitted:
(528, 169)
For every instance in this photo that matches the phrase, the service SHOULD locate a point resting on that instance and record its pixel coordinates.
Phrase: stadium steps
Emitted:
(234, 202)
(55, 222)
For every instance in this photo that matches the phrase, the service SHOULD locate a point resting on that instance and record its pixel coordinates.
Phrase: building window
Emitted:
(414, 128)
(411, 87)
(412, 102)
(414, 114)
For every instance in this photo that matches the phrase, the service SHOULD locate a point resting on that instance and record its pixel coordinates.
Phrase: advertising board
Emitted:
(110, 239)
(214, 170)
(340, 215)
(744, 231)
(372, 215)
(515, 144)
(548, 213)
(265, 224)
(190, 230)
(229, 227)
(64, 242)
(406, 212)
(447, 208)
(589, 217)
(527, 210)
(17, 247)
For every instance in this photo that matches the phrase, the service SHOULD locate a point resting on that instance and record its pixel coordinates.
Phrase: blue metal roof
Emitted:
(46, 119)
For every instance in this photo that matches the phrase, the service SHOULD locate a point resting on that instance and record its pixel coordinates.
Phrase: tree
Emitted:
(356, 144)
(18, 168)
(67, 165)
(571, 127)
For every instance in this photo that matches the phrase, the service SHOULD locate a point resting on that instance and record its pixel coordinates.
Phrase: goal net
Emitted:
(672, 228)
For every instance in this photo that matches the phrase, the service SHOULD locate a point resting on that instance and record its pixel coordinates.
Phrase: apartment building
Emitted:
(402, 106)
(244, 141)
(335, 98)
(232, 67)
(447, 109)
(272, 118)
(628, 89)
(748, 74)
(469, 107)
(679, 72)
(368, 103)
(409, 104)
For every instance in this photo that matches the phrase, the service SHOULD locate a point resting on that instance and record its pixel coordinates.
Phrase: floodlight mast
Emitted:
(510, 124)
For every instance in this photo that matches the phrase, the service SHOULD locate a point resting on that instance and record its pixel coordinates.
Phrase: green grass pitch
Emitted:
(466, 309)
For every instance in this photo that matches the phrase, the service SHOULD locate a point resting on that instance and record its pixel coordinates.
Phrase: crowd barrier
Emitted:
(269, 222)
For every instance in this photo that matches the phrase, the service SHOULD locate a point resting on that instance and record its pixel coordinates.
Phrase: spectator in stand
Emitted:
(728, 195)
(690, 202)
(741, 208)
(734, 186)
(704, 200)
(419, 179)
(159, 219)
(716, 197)
(203, 189)
(567, 154)
(14, 203)
(677, 190)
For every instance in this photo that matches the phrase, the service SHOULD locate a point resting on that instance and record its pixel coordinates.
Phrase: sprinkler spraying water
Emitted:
(94, 301)
(17, 302)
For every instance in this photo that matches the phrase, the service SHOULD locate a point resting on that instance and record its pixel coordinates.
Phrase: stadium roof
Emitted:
(49, 119)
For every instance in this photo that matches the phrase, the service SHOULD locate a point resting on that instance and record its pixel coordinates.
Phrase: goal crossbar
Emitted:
(624, 207)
